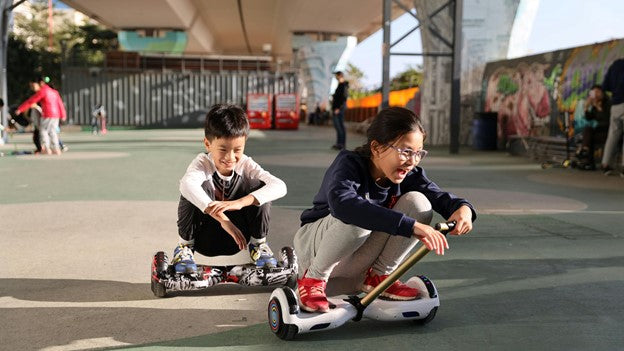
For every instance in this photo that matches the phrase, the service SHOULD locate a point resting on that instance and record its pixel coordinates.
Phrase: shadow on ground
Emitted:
(73, 290)
(559, 296)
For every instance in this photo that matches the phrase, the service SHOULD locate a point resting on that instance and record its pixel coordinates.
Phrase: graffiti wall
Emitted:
(532, 94)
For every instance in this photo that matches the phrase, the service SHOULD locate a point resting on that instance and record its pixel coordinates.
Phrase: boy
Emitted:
(226, 196)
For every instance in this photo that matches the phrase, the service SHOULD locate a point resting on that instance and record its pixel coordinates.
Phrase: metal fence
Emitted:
(162, 99)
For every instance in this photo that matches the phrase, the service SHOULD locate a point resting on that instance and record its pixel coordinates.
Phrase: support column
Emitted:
(455, 98)
(385, 54)
(484, 33)
(436, 85)
(317, 60)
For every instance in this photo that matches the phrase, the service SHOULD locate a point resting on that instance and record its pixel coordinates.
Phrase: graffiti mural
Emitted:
(586, 66)
(531, 94)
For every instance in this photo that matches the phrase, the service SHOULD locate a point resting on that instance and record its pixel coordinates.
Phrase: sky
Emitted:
(558, 25)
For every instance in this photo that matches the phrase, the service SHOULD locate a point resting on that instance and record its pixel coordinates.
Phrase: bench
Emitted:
(547, 149)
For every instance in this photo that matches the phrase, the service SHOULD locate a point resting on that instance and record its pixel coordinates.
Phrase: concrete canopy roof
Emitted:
(241, 27)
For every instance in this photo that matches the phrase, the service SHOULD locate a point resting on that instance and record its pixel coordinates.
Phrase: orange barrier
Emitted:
(360, 114)
(396, 98)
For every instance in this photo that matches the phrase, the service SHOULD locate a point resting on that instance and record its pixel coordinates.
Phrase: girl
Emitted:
(373, 206)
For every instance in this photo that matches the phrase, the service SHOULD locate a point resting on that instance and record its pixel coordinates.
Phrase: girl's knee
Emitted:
(415, 205)
(352, 231)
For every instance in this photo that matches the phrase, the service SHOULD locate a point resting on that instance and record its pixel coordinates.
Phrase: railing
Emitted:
(162, 99)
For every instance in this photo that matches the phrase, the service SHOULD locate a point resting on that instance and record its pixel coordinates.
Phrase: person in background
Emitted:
(597, 111)
(52, 110)
(98, 124)
(614, 82)
(339, 106)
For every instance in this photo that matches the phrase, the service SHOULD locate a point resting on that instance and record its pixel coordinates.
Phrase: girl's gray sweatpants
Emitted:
(330, 248)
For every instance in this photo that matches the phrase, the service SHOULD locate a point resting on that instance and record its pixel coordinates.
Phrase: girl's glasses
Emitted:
(406, 154)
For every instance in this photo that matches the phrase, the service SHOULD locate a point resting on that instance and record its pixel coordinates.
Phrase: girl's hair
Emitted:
(389, 125)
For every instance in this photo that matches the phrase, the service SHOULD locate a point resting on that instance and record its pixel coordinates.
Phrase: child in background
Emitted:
(52, 110)
(98, 123)
(226, 196)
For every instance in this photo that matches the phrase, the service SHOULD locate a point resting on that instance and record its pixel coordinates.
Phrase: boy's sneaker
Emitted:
(607, 170)
(183, 260)
(261, 254)
(312, 296)
(396, 291)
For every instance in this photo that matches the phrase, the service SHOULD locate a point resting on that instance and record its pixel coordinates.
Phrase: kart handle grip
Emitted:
(445, 227)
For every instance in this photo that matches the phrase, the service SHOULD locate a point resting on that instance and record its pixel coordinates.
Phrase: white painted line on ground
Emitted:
(519, 211)
(544, 211)
(87, 344)
(207, 303)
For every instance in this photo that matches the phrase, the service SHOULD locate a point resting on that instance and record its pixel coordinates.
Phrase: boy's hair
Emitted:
(389, 125)
(226, 121)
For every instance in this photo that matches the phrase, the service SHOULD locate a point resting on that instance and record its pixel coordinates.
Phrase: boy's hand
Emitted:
(217, 207)
(431, 238)
(236, 234)
(463, 217)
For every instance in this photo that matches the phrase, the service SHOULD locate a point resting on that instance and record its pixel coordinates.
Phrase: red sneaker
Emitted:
(312, 294)
(396, 291)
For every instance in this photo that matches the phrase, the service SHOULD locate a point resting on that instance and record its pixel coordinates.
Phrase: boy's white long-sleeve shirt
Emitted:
(203, 167)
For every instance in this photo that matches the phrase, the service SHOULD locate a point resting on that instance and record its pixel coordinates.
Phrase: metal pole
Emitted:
(3, 72)
(455, 82)
(50, 24)
(394, 276)
(385, 52)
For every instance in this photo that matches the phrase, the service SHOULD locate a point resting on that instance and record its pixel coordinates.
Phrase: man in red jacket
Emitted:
(52, 109)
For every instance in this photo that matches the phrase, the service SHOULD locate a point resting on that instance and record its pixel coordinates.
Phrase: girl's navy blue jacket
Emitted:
(350, 194)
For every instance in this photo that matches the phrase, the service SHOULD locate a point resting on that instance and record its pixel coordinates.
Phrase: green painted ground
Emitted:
(542, 270)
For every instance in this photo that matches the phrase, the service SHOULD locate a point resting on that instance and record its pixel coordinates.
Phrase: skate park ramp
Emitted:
(542, 269)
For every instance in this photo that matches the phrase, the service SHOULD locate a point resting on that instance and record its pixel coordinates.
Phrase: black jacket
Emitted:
(340, 95)
(614, 81)
(350, 194)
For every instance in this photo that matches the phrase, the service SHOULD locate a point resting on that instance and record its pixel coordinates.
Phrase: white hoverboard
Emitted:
(286, 320)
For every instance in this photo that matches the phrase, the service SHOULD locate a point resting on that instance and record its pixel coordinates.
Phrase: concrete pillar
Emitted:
(487, 26)
(317, 60)
(436, 86)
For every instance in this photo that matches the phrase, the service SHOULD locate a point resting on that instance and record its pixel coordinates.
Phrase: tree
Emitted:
(23, 64)
(20, 61)
(88, 44)
(32, 27)
(356, 88)
(412, 77)
(29, 55)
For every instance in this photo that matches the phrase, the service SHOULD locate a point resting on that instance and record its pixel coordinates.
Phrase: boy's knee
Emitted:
(415, 205)
(265, 207)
